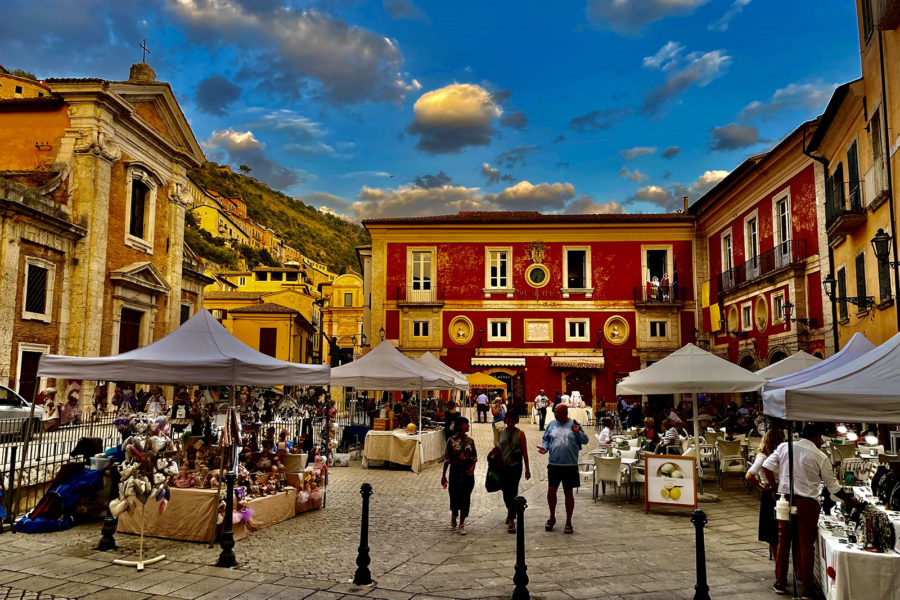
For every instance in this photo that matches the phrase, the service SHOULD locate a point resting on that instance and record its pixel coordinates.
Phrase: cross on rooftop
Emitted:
(144, 50)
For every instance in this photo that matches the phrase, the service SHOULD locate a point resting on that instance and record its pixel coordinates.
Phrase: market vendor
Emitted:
(811, 470)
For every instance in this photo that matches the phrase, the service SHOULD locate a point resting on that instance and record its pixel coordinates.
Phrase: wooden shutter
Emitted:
(853, 177)
(842, 293)
(861, 276)
(36, 292)
(884, 281)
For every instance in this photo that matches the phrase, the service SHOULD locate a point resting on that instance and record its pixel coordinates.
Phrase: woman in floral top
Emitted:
(461, 457)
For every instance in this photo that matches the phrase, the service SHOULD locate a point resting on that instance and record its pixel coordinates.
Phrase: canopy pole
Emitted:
(792, 521)
(419, 431)
(696, 414)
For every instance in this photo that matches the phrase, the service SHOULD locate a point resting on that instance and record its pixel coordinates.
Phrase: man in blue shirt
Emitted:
(563, 439)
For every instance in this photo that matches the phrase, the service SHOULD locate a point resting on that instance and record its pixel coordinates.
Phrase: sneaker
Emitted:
(462, 530)
(779, 589)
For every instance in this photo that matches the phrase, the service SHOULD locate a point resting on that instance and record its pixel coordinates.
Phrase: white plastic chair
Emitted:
(608, 470)
(731, 460)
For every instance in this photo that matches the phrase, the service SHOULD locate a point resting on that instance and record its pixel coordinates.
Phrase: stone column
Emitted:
(10, 280)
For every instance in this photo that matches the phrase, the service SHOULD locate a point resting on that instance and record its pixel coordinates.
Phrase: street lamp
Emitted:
(363, 340)
(862, 302)
(723, 326)
(381, 333)
(881, 245)
(789, 310)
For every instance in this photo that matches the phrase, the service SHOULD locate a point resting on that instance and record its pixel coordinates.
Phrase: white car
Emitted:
(14, 414)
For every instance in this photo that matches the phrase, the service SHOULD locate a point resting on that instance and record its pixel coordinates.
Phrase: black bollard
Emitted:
(107, 541)
(362, 575)
(226, 557)
(521, 576)
(701, 590)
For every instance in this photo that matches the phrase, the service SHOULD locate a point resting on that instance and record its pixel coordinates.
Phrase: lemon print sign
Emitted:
(670, 481)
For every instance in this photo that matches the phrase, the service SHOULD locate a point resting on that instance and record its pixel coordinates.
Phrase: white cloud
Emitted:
(242, 148)
(670, 198)
(637, 152)
(451, 118)
(629, 16)
(696, 69)
(736, 8)
(808, 96)
(525, 196)
(587, 205)
(665, 58)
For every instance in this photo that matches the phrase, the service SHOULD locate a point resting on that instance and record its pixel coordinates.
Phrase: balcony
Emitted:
(415, 296)
(844, 213)
(648, 295)
(875, 187)
(785, 254)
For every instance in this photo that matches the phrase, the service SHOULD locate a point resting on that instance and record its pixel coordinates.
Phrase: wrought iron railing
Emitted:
(838, 203)
(782, 255)
(659, 293)
(417, 295)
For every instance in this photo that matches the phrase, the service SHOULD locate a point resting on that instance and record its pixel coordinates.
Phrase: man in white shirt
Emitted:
(481, 406)
(540, 405)
(812, 469)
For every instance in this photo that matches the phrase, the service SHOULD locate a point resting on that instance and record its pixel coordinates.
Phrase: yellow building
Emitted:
(342, 311)
(273, 329)
(220, 224)
(12, 87)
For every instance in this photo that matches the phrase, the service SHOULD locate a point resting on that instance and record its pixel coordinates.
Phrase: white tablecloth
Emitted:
(582, 415)
(399, 447)
(858, 574)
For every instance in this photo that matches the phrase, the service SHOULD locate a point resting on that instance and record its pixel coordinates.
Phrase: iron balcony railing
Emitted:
(782, 255)
(659, 294)
(844, 199)
(420, 295)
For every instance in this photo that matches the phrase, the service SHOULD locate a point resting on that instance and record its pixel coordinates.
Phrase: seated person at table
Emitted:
(670, 437)
(649, 433)
(604, 438)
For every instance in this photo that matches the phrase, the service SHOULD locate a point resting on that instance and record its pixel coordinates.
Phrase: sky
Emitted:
(387, 108)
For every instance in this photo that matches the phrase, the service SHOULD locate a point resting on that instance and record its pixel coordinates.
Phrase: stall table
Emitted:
(401, 448)
(267, 511)
(858, 574)
(582, 415)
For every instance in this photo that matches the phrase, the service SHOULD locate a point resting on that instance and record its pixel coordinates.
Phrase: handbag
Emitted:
(492, 481)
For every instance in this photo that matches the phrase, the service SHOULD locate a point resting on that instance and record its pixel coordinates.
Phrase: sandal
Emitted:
(568, 528)
(511, 526)
(548, 526)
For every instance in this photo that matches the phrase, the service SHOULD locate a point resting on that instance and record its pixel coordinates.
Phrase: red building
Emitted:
(762, 247)
(553, 302)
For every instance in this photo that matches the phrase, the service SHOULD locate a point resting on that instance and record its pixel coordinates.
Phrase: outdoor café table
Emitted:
(401, 448)
(857, 573)
(582, 415)
(628, 463)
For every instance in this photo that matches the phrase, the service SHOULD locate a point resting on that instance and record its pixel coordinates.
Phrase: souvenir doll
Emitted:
(185, 478)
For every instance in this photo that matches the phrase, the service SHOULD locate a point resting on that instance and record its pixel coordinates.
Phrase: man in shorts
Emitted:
(563, 439)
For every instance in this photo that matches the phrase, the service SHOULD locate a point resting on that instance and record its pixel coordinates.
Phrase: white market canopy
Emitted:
(690, 370)
(866, 389)
(200, 352)
(773, 391)
(432, 362)
(386, 368)
(793, 363)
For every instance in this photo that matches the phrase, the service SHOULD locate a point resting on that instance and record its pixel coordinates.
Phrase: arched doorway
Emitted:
(818, 354)
(581, 381)
(748, 362)
(508, 380)
(776, 356)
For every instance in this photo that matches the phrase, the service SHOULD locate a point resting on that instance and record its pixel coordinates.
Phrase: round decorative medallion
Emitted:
(461, 330)
(537, 275)
(616, 330)
(762, 313)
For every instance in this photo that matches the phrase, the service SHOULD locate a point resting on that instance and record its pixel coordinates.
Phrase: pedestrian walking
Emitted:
(460, 456)
(540, 405)
(768, 525)
(556, 400)
(563, 439)
(451, 420)
(514, 454)
(812, 469)
(481, 407)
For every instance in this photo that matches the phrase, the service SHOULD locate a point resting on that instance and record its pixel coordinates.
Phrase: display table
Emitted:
(857, 573)
(401, 448)
(188, 517)
(582, 415)
(267, 511)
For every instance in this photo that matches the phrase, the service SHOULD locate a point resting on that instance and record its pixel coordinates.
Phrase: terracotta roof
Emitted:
(237, 295)
(266, 307)
(277, 269)
(528, 218)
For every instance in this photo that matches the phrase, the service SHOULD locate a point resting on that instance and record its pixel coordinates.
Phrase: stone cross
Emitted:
(144, 50)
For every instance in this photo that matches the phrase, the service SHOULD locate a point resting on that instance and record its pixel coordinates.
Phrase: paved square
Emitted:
(615, 552)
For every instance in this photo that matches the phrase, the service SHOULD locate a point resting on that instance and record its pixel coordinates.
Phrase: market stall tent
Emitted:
(430, 361)
(483, 380)
(200, 352)
(863, 390)
(793, 363)
(386, 368)
(773, 391)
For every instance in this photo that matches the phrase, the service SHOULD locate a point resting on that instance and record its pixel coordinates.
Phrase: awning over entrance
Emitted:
(497, 361)
(577, 362)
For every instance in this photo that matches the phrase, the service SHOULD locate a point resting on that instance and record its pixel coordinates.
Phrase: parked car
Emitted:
(14, 414)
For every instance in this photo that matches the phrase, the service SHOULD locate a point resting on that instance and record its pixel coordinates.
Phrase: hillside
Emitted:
(321, 237)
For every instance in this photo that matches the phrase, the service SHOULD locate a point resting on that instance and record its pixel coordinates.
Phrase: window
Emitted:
(752, 239)
(727, 262)
(875, 128)
(868, 20)
(853, 177)
(277, 276)
(185, 313)
(498, 330)
(268, 341)
(884, 281)
(577, 330)
(837, 184)
(861, 278)
(576, 269)
(420, 328)
(498, 269)
(657, 265)
(348, 299)
(778, 308)
(242, 280)
(38, 297)
(746, 316)
(129, 329)
(139, 193)
(291, 276)
(657, 329)
(421, 271)
(18, 89)
(842, 294)
(782, 220)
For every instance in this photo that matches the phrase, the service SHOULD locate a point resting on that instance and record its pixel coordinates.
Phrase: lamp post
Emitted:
(862, 302)
(881, 245)
(381, 333)
(789, 310)
(723, 326)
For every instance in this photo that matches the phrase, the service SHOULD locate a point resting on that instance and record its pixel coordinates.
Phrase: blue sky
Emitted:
(413, 107)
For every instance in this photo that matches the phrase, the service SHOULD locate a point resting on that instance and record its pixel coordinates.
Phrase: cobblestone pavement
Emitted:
(616, 551)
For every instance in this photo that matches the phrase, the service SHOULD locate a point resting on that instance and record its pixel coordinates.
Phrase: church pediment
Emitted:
(143, 276)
